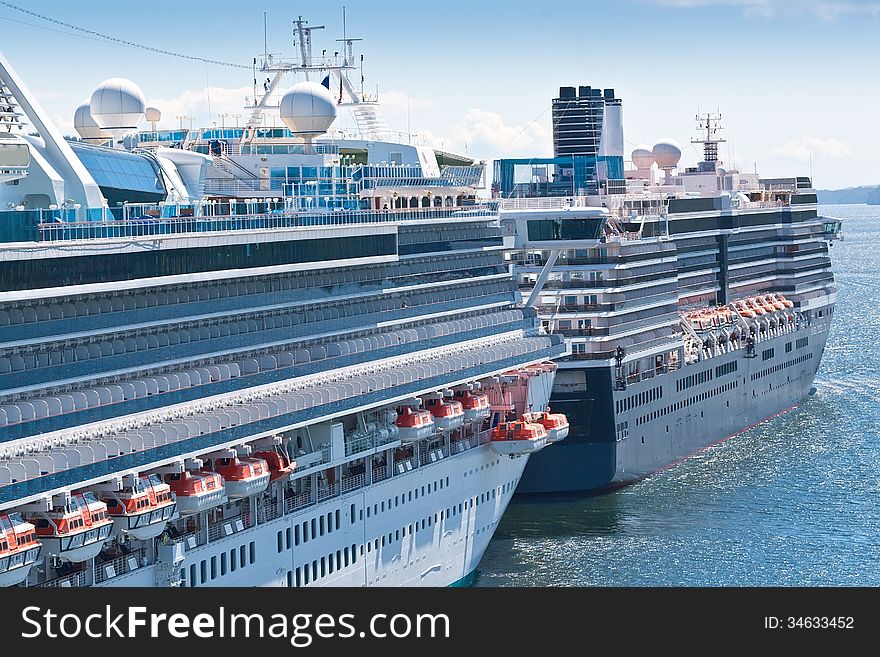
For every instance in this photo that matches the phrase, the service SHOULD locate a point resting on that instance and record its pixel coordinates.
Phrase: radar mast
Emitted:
(710, 124)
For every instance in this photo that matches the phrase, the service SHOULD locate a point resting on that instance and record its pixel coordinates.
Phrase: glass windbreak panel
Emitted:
(120, 169)
(567, 229)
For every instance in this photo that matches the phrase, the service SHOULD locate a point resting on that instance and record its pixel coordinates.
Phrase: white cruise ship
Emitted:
(273, 355)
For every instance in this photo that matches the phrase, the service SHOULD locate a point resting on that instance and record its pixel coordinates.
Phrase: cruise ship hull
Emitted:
(428, 528)
(600, 454)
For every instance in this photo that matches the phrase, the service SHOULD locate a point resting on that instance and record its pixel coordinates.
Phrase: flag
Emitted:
(326, 82)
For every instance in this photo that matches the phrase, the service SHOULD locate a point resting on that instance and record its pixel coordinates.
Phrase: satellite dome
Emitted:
(666, 153)
(642, 157)
(153, 114)
(308, 109)
(118, 105)
(85, 125)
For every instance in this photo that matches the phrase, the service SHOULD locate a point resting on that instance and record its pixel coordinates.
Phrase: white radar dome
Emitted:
(308, 109)
(642, 157)
(153, 115)
(666, 153)
(118, 105)
(85, 125)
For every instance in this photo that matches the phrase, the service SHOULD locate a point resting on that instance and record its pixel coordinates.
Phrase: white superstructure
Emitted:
(242, 357)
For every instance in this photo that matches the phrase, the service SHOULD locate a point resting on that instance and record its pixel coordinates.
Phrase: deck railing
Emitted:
(50, 226)
(120, 565)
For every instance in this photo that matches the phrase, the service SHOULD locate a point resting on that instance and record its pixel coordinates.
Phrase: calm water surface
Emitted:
(795, 501)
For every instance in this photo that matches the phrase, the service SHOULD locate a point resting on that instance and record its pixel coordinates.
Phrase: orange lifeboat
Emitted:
(767, 304)
(475, 405)
(744, 310)
(196, 491)
(142, 509)
(773, 301)
(448, 415)
(756, 307)
(280, 465)
(76, 531)
(413, 424)
(555, 424)
(19, 548)
(242, 477)
(785, 302)
(518, 438)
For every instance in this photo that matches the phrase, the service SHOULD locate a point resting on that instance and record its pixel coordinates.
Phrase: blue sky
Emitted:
(790, 77)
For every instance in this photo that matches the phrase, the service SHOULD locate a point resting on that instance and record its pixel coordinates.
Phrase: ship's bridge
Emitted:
(552, 228)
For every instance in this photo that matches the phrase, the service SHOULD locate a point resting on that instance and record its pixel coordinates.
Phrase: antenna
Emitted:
(348, 49)
(265, 37)
(305, 40)
(709, 123)
(811, 163)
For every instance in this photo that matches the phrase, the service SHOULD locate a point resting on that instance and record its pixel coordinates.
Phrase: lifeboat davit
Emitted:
(280, 465)
(196, 491)
(448, 415)
(142, 509)
(242, 477)
(475, 405)
(555, 424)
(76, 531)
(518, 438)
(19, 548)
(413, 425)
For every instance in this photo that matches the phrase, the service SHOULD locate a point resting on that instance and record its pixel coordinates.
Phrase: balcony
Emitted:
(116, 566)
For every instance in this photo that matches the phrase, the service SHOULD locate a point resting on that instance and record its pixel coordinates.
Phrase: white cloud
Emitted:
(398, 103)
(823, 9)
(801, 149)
(485, 135)
(194, 102)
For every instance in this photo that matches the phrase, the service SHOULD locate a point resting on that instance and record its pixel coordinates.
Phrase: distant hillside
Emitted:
(869, 194)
